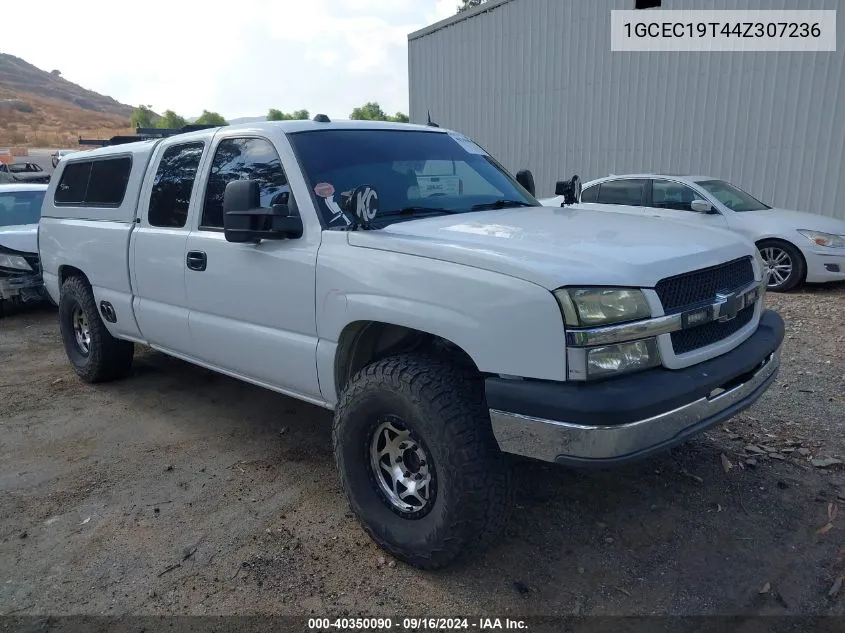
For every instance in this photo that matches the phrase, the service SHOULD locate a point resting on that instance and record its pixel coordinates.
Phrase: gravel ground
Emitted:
(180, 491)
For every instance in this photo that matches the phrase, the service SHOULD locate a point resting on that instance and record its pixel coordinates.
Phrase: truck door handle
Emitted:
(196, 260)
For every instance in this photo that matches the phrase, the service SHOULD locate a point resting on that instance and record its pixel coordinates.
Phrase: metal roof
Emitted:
(488, 6)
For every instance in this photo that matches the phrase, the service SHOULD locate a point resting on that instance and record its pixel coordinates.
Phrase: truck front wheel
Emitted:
(95, 354)
(418, 461)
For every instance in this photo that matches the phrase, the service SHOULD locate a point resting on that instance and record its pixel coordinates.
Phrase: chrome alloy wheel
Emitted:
(81, 331)
(778, 265)
(402, 469)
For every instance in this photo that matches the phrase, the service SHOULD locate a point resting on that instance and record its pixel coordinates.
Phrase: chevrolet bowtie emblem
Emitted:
(729, 306)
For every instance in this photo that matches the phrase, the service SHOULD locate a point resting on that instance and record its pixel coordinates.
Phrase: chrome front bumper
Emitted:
(564, 442)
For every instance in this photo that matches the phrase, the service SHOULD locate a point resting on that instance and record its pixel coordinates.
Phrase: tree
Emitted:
(210, 118)
(56, 73)
(469, 4)
(297, 115)
(171, 121)
(371, 111)
(143, 116)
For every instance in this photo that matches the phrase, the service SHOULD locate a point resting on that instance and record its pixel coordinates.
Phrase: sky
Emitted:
(237, 58)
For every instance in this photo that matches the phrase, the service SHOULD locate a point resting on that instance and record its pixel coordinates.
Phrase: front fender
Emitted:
(506, 325)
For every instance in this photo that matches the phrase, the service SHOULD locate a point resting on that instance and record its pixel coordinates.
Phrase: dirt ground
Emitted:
(180, 491)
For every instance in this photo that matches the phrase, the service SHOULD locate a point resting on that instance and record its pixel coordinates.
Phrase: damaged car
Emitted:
(20, 269)
(23, 173)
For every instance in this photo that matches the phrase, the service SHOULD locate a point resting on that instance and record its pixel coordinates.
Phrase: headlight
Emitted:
(584, 307)
(14, 261)
(622, 358)
(824, 239)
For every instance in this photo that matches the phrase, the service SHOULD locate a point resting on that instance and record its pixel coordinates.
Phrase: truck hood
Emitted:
(561, 246)
(22, 238)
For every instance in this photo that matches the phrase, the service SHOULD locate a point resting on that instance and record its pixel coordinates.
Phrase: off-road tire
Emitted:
(444, 407)
(108, 358)
(799, 266)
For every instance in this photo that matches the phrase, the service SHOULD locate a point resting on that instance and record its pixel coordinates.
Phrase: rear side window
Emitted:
(627, 192)
(174, 181)
(243, 159)
(97, 183)
(74, 183)
(591, 194)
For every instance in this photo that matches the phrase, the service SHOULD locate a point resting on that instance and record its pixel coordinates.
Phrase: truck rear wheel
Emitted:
(95, 354)
(418, 461)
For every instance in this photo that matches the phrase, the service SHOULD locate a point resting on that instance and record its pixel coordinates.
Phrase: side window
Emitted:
(243, 159)
(627, 192)
(98, 183)
(174, 181)
(108, 182)
(591, 194)
(666, 194)
(74, 183)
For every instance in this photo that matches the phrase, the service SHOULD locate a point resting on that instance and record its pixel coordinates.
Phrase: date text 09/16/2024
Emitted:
(417, 624)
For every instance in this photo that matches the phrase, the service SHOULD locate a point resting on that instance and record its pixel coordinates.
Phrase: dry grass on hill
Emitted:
(52, 122)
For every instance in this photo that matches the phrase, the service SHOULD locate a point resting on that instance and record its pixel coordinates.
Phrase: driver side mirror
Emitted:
(702, 206)
(525, 178)
(245, 221)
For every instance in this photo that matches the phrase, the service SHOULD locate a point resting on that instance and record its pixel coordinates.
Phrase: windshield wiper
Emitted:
(501, 204)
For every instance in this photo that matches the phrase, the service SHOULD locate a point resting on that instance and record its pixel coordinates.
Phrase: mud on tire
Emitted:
(445, 420)
(95, 354)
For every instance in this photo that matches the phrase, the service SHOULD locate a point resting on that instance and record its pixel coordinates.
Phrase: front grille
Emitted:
(684, 341)
(689, 289)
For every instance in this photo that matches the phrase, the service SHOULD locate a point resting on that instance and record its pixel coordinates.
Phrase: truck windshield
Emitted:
(415, 173)
(20, 207)
(732, 197)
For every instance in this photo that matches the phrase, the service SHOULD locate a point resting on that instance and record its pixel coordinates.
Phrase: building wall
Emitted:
(535, 83)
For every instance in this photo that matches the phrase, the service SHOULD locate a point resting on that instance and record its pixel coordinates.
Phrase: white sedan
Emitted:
(795, 246)
(20, 271)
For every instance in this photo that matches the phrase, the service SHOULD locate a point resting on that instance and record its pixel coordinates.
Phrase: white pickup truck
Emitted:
(398, 275)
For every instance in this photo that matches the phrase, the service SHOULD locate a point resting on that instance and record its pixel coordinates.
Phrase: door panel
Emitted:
(252, 308)
(158, 245)
(693, 217)
(158, 262)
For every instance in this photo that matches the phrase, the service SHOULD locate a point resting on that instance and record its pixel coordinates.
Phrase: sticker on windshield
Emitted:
(336, 211)
(365, 199)
(324, 189)
(439, 186)
(467, 144)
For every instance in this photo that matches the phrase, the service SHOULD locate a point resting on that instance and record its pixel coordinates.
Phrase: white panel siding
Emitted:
(535, 82)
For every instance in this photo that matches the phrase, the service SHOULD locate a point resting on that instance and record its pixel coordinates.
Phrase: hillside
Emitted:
(21, 76)
(39, 109)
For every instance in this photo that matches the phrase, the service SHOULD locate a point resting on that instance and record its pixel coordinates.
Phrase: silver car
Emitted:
(20, 269)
